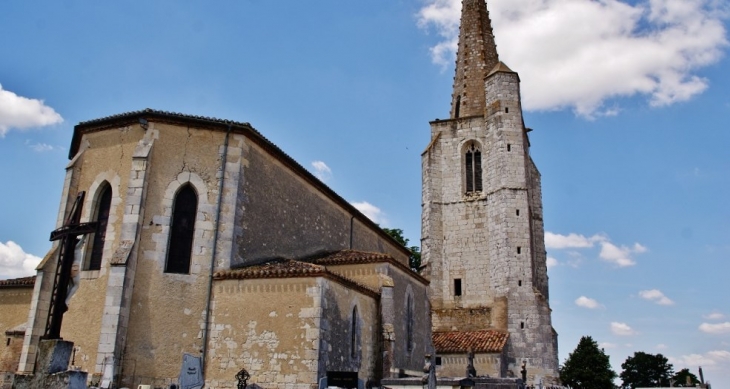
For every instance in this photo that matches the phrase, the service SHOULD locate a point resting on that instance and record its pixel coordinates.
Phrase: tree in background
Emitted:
(680, 379)
(415, 258)
(587, 367)
(646, 370)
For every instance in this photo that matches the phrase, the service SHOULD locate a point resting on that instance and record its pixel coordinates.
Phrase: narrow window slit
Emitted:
(457, 287)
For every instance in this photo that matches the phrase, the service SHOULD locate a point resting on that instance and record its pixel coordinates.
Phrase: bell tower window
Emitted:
(180, 246)
(473, 169)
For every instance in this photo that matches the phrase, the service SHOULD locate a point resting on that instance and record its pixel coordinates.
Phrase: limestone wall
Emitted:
(281, 215)
(167, 310)
(336, 352)
(15, 303)
(269, 327)
(454, 365)
(104, 159)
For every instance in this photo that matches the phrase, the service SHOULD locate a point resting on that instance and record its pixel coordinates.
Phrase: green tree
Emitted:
(415, 259)
(587, 367)
(646, 370)
(681, 379)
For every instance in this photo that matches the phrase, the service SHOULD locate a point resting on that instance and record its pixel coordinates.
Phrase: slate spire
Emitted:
(475, 58)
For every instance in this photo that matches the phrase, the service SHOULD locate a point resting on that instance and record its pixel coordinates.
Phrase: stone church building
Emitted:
(213, 242)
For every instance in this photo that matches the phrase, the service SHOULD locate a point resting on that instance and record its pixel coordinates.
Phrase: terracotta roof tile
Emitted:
(354, 257)
(290, 269)
(277, 269)
(18, 282)
(485, 341)
(351, 257)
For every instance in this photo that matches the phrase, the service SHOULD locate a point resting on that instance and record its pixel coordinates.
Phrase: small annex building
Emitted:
(201, 215)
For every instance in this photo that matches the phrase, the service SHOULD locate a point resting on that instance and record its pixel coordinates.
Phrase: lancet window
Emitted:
(103, 206)
(353, 334)
(180, 246)
(473, 168)
(410, 323)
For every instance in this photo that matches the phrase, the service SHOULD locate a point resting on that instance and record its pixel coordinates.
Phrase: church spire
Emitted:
(476, 56)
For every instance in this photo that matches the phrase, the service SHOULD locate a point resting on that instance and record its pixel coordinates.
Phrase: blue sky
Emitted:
(629, 104)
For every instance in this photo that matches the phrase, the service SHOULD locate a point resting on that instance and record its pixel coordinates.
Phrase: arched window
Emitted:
(353, 334)
(410, 322)
(103, 205)
(180, 246)
(473, 169)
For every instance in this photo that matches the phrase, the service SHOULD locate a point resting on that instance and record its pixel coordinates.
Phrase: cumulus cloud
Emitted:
(619, 255)
(580, 53)
(40, 147)
(714, 316)
(14, 262)
(372, 212)
(656, 296)
(607, 345)
(572, 240)
(622, 329)
(714, 360)
(17, 112)
(586, 302)
(552, 262)
(715, 329)
(321, 170)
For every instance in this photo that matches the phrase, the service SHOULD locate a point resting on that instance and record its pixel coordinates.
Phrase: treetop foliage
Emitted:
(587, 367)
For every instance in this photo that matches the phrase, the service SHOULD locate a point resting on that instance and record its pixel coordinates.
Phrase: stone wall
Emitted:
(15, 302)
(270, 327)
(281, 215)
(454, 365)
(490, 242)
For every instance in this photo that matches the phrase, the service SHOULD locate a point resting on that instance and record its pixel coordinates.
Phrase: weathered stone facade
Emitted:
(15, 297)
(482, 227)
(132, 320)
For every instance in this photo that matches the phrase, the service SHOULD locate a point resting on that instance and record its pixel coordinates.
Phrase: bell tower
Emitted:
(482, 229)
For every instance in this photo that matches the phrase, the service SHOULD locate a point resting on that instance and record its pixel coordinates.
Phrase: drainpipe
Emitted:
(215, 250)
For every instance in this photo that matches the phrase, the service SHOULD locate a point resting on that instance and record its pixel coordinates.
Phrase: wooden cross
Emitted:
(67, 234)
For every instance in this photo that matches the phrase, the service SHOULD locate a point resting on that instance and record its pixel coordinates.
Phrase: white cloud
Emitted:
(661, 346)
(620, 255)
(714, 316)
(622, 329)
(581, 53)
(607, 345)
(572, 240)
(321, 170)
(372, 212)
(586, 302)
(713, 359)
(656, 296)
(17, 112)
(719, 328)
(552, 262)
(14, 262)
(40, 147)
(610, 252)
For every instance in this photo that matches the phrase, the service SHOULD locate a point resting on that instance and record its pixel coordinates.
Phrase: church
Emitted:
(211, 242)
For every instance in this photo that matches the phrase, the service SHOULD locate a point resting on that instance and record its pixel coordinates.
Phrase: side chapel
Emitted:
(211, 241)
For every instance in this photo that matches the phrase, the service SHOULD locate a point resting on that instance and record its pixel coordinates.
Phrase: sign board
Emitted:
(342, 379)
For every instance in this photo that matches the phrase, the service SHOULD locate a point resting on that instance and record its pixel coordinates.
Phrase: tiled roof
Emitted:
(486, 341)
(354, 257)
(290, 269)
(277, 269)
(350, 257)
(18, 282)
